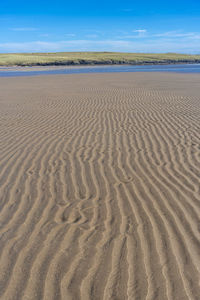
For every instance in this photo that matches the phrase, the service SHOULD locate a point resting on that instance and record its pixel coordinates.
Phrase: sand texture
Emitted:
(100, 187)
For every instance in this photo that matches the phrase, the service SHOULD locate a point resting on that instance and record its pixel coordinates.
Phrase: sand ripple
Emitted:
(100, 187)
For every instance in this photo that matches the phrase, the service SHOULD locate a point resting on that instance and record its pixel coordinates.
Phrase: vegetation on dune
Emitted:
(92, 58)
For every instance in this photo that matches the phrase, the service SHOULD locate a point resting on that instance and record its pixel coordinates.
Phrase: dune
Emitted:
(100, 187)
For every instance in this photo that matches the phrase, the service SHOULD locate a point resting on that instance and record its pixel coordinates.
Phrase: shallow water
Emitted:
(177, 68)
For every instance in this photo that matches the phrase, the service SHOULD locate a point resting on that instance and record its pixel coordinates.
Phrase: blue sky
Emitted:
(127, 26)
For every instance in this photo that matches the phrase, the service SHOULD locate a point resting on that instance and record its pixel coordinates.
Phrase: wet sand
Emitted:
(100, 187)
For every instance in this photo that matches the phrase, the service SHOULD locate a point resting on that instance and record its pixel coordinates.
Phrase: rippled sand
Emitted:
(100, 187)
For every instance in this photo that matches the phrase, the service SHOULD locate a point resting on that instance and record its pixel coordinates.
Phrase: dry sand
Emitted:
(100, 187)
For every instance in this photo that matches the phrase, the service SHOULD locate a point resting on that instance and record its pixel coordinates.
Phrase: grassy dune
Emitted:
(90, 58)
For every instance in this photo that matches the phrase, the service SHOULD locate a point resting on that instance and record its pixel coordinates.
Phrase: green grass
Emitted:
(90, 58)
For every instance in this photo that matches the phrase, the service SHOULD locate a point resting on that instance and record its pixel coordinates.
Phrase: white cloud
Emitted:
(170, 35)
(140, 30)
(140, 33)
(177, 34)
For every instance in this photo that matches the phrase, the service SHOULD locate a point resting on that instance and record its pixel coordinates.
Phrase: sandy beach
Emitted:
(100, 187)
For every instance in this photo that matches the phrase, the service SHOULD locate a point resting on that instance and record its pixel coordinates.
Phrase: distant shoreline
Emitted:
(100, 64)
(93, 59)
(12, 71)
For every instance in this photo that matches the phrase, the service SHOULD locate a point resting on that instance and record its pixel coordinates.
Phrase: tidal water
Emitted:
(175, 68)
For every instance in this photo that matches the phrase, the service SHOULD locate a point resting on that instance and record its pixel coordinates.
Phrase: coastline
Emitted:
(97, 64)
(15, 71)
(94, 59)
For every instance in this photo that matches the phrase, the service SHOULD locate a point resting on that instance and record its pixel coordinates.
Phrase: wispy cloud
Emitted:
(178, 34)
(72, 45)
(138, 33)
(139, 40)
(24, 29)
(150, 45)
(169, 35)
(172, 34)
(140, 30)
